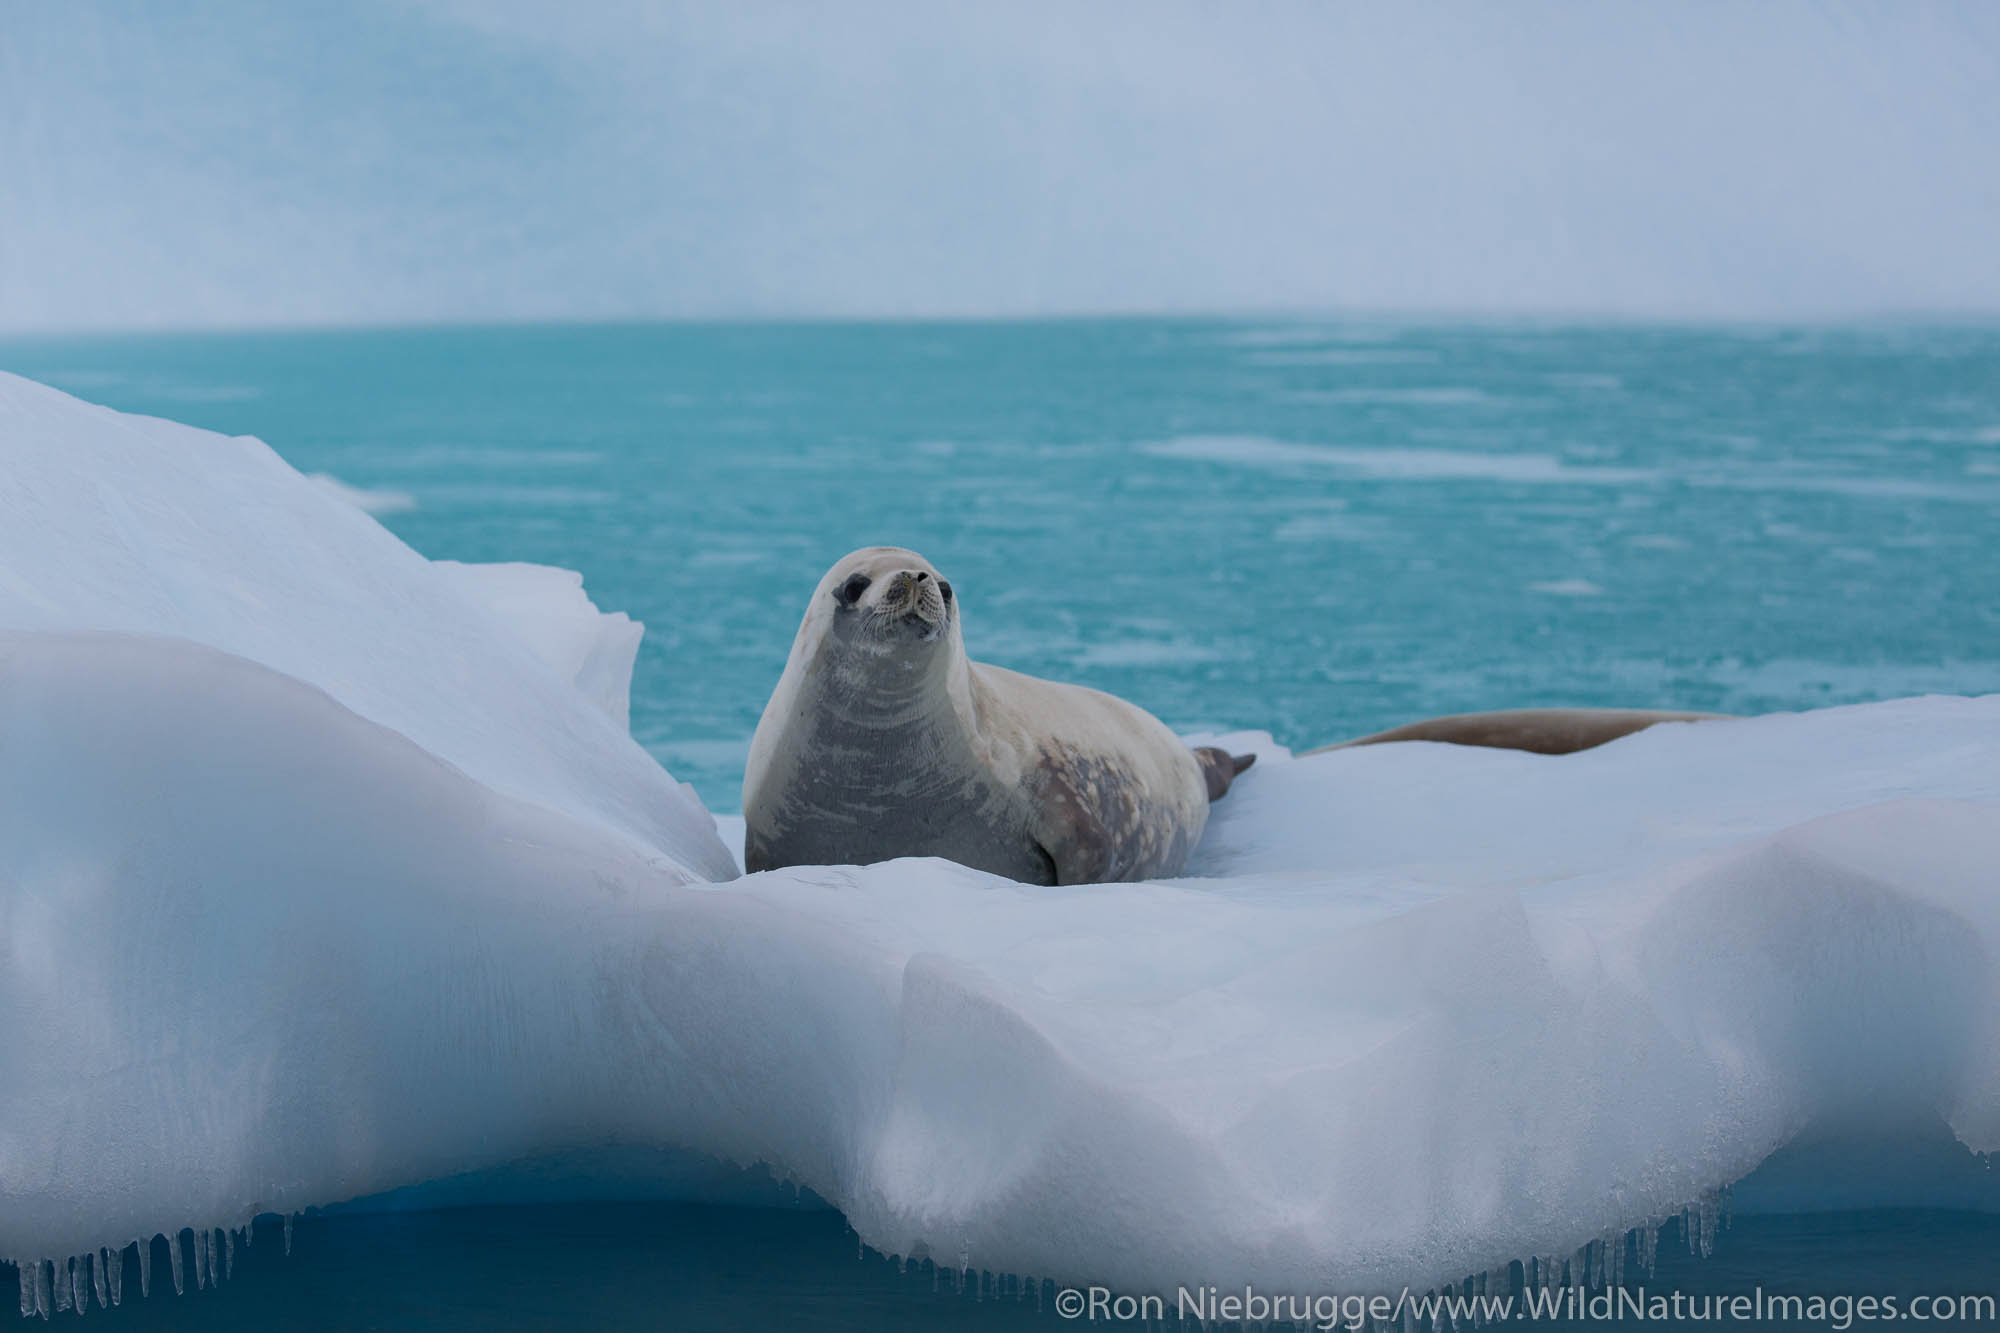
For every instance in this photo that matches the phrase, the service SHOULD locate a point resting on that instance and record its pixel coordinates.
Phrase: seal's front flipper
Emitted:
(1219, 768)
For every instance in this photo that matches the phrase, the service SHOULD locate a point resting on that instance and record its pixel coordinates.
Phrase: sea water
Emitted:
(1315, 528)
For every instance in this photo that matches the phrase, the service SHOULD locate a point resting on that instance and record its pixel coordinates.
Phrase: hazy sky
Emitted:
(245, 162)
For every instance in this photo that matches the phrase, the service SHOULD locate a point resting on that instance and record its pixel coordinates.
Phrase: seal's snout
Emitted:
(915, 593)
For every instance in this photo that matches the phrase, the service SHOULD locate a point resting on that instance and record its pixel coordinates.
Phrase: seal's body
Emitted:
(1540, 730)
(882, 740)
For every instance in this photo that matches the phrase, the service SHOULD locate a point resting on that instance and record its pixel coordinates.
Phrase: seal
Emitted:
(882, 740)
(1540, 730)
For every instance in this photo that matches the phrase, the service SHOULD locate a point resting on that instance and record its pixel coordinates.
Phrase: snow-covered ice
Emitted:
(327, 870)
(143, 526)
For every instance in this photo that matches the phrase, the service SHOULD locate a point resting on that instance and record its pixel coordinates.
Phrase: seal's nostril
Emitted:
(921, 576)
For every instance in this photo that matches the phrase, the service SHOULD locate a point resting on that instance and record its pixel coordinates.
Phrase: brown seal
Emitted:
(1541, 730)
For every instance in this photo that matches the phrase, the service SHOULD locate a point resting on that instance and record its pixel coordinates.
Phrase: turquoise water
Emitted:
(1316, 529)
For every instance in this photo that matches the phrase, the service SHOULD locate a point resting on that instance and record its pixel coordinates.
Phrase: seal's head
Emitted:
(887, 602)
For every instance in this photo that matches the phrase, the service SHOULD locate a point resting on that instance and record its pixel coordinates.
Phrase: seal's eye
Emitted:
(945, 588)
(848, 593)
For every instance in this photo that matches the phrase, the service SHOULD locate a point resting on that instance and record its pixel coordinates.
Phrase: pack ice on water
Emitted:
(326, 869)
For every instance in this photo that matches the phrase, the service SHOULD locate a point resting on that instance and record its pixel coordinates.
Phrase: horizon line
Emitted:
(1421, 316)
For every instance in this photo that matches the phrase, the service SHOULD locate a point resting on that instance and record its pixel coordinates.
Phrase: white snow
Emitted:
(116, 522)
(556, 619)
(316, 880)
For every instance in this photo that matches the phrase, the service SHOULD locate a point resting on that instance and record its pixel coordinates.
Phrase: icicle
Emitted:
(174, 1262)
(146, 1267)
(62, 1284)
(114, 1262)
(1617, 1273)
(288, 1235)
(44, 1298)
(229, 1253)
(27, 1288)
(215, 1248)
(201, 1269)
(100, 1281)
